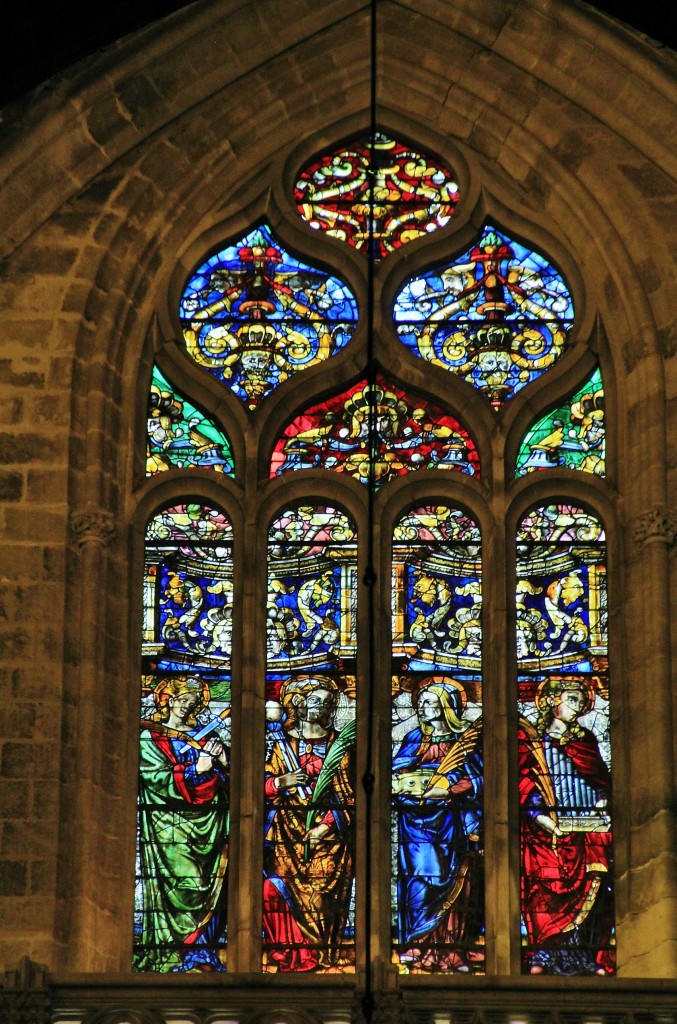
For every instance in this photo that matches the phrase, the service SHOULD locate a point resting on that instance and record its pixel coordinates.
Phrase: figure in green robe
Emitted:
(183, 835)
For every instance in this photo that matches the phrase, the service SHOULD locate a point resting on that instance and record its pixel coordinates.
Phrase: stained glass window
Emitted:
(407, 434)
(498, 315)
(564, 750)
(572, 436)
(253, 315)
(309, 830)
(184, 761)
(180, 435)
(437, 889)
(384, 194)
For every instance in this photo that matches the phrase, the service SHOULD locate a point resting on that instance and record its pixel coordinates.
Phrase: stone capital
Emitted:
(656, 524)
(92, 525)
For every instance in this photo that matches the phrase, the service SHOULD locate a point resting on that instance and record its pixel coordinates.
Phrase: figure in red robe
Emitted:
(566, 837)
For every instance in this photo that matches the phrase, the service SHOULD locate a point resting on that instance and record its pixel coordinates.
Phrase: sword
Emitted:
(213, 724)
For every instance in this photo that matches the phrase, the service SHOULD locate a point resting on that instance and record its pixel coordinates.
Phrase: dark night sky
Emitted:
(39, 39)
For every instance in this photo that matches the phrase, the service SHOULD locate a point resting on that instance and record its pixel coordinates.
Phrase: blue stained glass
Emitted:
(437, 767)
(253, 315)
(563, 743)
(498, 316)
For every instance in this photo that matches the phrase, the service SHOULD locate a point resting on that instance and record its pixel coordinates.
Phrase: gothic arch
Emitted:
(186, 133)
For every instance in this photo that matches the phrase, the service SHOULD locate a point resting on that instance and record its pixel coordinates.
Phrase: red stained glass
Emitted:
(563, 742)
(406, 434)
(385, 193)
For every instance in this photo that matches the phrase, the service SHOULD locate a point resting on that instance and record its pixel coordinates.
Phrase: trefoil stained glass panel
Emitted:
(253, 315)
(437, 887)
(498, 316)
(180, 435)
(185, 741)
(382, 194)
(406, 434)
(572, 436)
(309, 831)
(563, 743)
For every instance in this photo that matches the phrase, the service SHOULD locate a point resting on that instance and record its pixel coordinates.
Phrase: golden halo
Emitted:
(297, 685)
(424, 684)
(567, 683)
(162, 691)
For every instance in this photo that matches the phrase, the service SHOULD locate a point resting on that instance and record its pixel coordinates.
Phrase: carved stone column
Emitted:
(382, 1008)
(93, 530)
(648, 936)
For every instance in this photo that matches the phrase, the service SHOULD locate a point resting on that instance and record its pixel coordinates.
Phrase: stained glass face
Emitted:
(437, 887)
(180, 435)
(498, 316)
(253, 315)
(184, 761)
(402, 435)
(383, 194)
(563, 742)
(573, 436)
(309, 832)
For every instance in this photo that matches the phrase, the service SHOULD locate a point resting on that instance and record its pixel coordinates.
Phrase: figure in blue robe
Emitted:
(437, 785)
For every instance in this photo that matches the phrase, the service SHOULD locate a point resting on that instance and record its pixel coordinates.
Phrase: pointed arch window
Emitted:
(184, 768)
(368, 512)
(564, 744)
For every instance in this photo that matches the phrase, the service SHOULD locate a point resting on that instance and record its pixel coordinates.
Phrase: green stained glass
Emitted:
(180, 435)
(571, 436)
(185, 741)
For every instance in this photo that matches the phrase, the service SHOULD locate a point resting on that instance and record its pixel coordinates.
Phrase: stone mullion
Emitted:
(374, 651)
(245, 892)
(500, 810)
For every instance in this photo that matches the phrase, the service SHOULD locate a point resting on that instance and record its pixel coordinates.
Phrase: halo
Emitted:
(296, 684)
(161, 693)
(575, 683)
(441, 680)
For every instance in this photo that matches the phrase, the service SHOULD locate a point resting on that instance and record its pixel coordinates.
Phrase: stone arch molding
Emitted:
(156, 181)
(213, 49)
(282, 1017)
